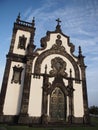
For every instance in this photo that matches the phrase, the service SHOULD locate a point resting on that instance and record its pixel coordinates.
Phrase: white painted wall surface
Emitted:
(14, 93)
(35, 100)
(78, 101)
(67, 108)
(19, 33)
(48, 106)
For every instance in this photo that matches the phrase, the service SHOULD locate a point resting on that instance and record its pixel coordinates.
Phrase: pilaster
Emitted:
(86, 118)
(23, 119)
(44, 100)
(70, 91)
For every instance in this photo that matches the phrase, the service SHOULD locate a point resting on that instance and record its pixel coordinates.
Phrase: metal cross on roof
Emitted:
(58, 21)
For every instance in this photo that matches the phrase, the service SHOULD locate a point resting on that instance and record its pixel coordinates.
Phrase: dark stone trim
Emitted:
(10, 119)
(77, 120)
(44, 41)
(84, 86)
(21, 22)
(4, 85)
(58, 81)
(17, 58)
(23, 27)
(43, 55)
(71, 102)
(13, 40)
(85, 97)
(27, 80)
(45, 95)
(26, 88)
(23, 118)
(33, 121)
(36, 121)
(27, 120)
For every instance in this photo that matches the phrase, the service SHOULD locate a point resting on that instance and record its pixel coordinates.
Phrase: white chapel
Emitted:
(45, 85)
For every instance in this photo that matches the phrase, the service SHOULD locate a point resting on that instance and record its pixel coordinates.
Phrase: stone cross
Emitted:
(58, 21)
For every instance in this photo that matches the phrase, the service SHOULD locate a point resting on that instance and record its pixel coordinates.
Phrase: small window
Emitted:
(22, 42)
(17, 71)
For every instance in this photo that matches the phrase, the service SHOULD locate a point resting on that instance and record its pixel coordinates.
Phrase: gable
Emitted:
(53, 45)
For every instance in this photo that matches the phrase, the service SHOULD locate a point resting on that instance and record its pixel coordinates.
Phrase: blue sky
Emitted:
(79, 21)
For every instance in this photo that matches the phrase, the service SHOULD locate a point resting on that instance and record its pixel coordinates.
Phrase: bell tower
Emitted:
(17, 70)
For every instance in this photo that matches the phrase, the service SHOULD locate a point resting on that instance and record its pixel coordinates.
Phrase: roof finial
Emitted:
(33, 21)
(58, 21)
(58, 27)
(80, 51)
(18, 18)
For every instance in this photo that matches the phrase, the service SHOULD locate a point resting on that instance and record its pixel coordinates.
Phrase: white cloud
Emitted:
(27, 12)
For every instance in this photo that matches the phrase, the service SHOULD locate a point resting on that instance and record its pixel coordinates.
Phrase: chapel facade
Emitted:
(45, 85)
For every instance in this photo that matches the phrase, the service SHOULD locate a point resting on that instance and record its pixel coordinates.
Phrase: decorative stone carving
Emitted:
(58, 67)
(58, 46)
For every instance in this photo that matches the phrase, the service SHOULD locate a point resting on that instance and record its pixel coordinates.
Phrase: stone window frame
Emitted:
(17, 72)
(22, 42)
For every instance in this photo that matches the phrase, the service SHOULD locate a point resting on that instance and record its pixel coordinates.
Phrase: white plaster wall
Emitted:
(35, 101)
(78, 100)
(18, 34)
(14, 93)
(48, 105)
(67, 108)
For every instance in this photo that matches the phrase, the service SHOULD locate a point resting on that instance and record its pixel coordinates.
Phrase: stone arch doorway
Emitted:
(58, 105)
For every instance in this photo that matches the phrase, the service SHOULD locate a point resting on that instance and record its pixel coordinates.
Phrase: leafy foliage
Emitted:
(93, 110)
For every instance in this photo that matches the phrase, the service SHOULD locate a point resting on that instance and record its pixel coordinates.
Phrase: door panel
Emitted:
(57, 105)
